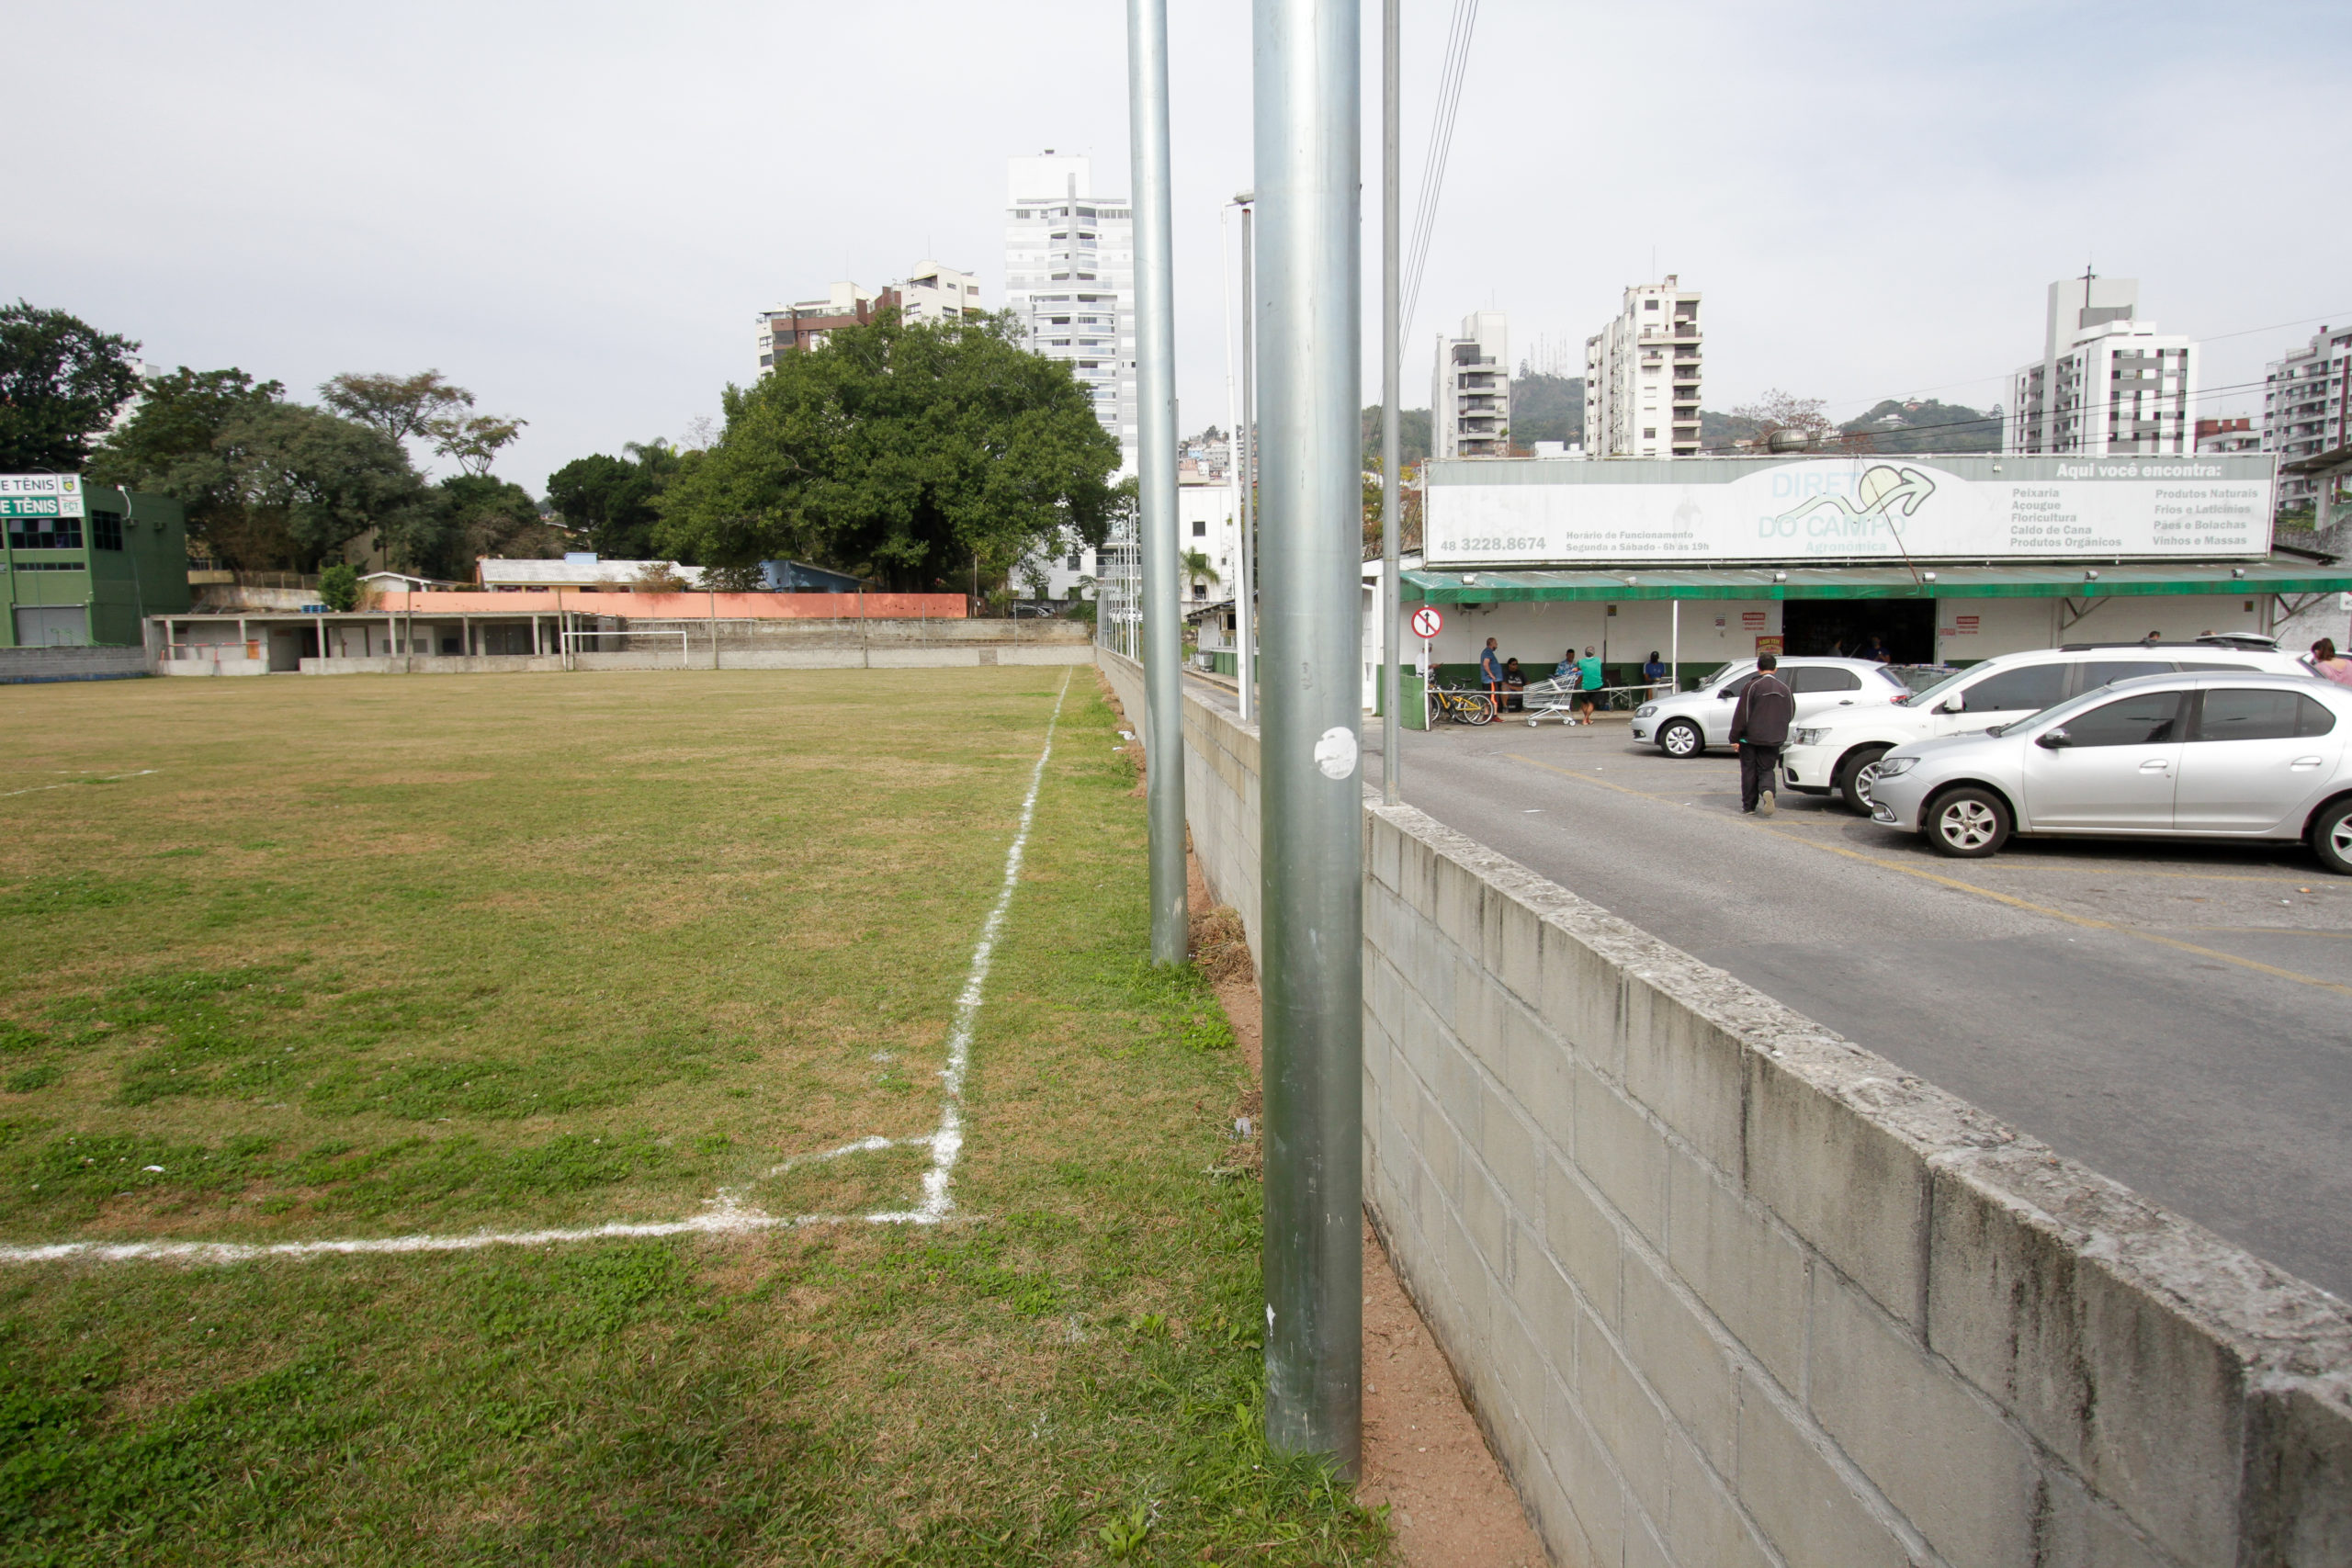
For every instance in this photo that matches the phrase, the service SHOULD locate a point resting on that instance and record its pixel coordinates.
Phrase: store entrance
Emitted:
(1832, 627)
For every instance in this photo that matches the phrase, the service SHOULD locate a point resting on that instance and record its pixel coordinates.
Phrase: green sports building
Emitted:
(82, 566)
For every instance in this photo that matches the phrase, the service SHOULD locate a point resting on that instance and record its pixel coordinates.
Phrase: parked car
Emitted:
(1688, 723)
(2227, 756)
(1841, 752)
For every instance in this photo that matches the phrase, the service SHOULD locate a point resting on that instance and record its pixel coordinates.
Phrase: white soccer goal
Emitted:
(685, 650)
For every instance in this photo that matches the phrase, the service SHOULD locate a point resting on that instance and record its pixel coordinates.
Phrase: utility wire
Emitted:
(1433, 161)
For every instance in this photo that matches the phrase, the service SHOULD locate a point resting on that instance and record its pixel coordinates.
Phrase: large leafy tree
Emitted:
(466, 517)
(909, 453)
(406, 407)
(60, 381)
(267, 484)
(610, 502)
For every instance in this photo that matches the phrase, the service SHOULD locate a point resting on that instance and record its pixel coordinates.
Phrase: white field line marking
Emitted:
(722, 1215)
(71, 784)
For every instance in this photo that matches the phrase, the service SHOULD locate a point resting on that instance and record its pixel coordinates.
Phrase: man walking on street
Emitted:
(1760, 726)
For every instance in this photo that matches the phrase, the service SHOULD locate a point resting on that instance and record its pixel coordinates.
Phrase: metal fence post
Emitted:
(1307, 129)
(1163, 650)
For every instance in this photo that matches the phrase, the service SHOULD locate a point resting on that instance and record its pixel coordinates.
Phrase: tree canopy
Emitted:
(908, 453)
(610, 500)
(266, 483)
(60, 381)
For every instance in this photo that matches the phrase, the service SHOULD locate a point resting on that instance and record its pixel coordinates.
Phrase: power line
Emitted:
(2087, 411)
(2215, 337)
(1440, 147)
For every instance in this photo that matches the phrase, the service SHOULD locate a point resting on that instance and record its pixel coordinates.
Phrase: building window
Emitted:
(1649, 435)
(106, 530)
(1200, 529)
(44, 533)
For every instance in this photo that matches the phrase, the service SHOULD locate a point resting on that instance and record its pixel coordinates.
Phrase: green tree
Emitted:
(339, 587)
(405, 408)
(1197, 567)
(466, 517)
(60, 381)
(610, 502)
(167, 448)
(473, 441)
(1412, 434)
(910, 454)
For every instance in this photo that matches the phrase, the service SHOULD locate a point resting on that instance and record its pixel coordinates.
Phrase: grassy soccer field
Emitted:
(348, 960)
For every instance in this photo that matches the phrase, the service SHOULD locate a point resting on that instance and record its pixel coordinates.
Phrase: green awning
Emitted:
(2041, 580)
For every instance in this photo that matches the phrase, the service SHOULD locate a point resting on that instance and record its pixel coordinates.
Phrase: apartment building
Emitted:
(1470, 393)
(2307, 410)
(2108, 384)
(1069, 279)
(1642, 375)
(2222, 435)
(935, 292)
(791, 329)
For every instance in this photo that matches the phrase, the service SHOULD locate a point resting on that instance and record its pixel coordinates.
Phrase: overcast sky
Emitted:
(576, 209)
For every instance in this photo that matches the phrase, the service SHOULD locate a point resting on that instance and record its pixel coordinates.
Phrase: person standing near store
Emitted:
(1490, 671)
(1589, 682)
(1759, 728)
(2329, 664)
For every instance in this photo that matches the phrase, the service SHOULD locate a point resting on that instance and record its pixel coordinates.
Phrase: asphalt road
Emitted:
(2177, 1017)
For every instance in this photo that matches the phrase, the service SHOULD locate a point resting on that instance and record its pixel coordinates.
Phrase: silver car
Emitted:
(1688, 723)
(2218, 756)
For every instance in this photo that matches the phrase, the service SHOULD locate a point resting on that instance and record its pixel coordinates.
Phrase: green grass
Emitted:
(386, 956)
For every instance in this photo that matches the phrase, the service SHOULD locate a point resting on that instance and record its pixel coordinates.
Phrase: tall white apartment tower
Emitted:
(2107, 385)
(1069, 279)
(1641, 375)
(2307, 410)
(1470, 396)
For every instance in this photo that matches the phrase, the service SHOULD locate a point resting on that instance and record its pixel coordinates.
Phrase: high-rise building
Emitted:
(790, 329)
(1069, 279)
(1641, 375)
(934, 292)
(2108, 384)
(2307, 410)
(1470, 395)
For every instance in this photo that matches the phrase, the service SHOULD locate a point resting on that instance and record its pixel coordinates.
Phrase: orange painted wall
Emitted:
(683, 607)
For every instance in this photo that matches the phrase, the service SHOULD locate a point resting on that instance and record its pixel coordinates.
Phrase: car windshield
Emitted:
(1920, 696)
(1919, 677)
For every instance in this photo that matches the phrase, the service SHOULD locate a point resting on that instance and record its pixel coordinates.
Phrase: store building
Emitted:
(1945, 559)
(82, 566)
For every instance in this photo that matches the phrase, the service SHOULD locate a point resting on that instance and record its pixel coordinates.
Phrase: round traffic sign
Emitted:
(1427, 622)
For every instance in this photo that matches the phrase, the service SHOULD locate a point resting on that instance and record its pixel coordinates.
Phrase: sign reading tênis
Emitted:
(40, 495)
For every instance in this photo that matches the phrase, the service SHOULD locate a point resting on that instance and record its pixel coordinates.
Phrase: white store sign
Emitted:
(1704, 510)
(40, 495)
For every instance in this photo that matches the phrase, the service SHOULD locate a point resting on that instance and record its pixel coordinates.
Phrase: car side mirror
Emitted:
(2054, 740)
(1725, 695)
(1950, 705)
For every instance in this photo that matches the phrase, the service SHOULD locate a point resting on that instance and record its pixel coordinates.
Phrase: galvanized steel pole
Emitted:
(1247, 621)
(1392, 720)
(1163, 643)
(1308, 104)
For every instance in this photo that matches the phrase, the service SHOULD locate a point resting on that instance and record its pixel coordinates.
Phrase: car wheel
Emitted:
(1855, 778)
(2332, 837)
(1968, 823)
(1682, 738)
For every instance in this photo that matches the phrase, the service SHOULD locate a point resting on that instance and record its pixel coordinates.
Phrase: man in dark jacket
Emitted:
(1759, 728)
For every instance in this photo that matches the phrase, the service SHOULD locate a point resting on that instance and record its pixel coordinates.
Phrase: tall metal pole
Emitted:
(1309, 126)
(1245, 622)
(1392, 723)
(1163, 645)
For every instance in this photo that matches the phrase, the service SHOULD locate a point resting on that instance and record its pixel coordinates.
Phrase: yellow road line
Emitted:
(2012, 900)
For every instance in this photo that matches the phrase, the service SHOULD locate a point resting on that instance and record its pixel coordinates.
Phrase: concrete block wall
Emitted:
(21, 666)
(1725, 1288)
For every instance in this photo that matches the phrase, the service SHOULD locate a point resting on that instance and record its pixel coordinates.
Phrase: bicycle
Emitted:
(1462, 708)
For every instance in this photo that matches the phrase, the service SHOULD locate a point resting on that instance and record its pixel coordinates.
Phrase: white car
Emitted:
(1688, 723)
(1841, 752)
(2222, 756)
